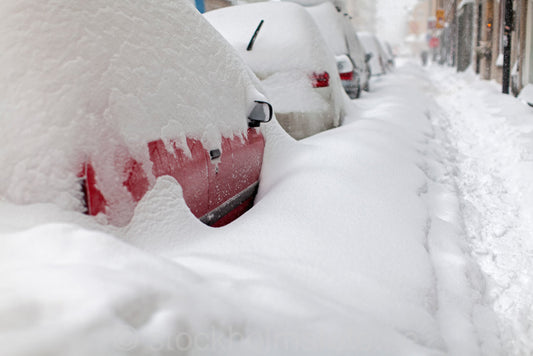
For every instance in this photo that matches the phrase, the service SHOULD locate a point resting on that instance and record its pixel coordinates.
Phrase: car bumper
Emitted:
(304, 124)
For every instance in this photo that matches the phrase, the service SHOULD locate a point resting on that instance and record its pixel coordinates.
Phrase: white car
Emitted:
(284, 48)
(378, 60)
(100, 98)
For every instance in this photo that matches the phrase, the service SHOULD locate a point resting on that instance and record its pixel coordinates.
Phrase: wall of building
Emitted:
(527, 73)
(473, 36)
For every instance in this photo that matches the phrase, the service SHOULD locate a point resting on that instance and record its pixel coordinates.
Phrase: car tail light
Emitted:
(320, 80)
(347, 76)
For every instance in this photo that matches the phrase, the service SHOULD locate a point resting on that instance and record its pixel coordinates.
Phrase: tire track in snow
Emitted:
(466, 321)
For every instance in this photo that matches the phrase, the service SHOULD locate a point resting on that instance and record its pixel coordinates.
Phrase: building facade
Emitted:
(474, 34)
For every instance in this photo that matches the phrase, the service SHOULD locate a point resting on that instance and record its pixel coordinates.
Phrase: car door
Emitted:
(188, 166)
(234, 176)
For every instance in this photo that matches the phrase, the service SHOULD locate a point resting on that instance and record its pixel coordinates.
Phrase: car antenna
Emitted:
(252, 40)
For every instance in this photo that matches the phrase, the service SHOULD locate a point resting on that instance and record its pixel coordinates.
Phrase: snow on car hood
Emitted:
(79, 78)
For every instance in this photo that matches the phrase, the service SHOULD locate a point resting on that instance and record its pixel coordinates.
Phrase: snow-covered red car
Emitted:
(283, 46)
(113, 95)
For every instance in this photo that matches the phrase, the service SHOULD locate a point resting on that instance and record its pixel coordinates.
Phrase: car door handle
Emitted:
(214, 154)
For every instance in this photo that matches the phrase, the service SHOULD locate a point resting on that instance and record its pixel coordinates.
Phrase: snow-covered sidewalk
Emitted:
(391, 235)
(489, 146)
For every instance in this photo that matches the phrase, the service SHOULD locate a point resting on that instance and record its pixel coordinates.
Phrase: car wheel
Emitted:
(353, 94)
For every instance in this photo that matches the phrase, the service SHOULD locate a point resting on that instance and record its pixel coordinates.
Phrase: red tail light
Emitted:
(347, 76)
(320, 80)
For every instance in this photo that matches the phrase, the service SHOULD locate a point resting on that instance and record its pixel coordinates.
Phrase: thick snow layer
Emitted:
(489, 138)
(329, 22)
(526, 94)
(79, 79)
(288, 50)
(357, 245)
(288, 39)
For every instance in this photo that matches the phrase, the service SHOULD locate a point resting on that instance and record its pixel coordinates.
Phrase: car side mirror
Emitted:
(262, 112)
(368, 57)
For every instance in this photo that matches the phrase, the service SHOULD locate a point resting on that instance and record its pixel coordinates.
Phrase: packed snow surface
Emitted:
(395, 234)
(489, 137)
(339, 34)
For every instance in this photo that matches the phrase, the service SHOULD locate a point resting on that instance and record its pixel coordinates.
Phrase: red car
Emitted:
(218, 184)
(115, 95)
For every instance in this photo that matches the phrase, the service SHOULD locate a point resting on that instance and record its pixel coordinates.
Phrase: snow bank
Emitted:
(288, 51)
(526, 94)
(489, 139)
(80, 79)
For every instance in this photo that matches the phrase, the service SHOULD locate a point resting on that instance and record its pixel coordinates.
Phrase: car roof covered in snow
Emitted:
(328, 20)
(77, 76)
(338, 31)
(289, 39)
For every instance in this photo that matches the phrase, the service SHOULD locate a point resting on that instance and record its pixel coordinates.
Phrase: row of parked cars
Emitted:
(106, 97)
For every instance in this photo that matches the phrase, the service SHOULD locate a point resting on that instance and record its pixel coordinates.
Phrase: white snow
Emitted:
(526, 94)
(407, 231)
(289, 49)
(489, 137)
(327, 19)
(94, 77)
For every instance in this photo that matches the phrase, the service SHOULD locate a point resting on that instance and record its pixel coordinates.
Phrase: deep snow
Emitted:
(490, 145)
(96, 81)
(386, 236)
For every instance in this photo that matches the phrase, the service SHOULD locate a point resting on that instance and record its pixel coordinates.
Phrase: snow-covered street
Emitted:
(406, 231)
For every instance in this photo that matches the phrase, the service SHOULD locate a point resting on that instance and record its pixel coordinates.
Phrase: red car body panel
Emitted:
(218, 186)
(189, 171)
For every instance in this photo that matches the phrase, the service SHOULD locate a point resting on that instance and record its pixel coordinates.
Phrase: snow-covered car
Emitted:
(388, 55)
(343, 42)
(284, 48)
(110, 96)
(378, 60)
